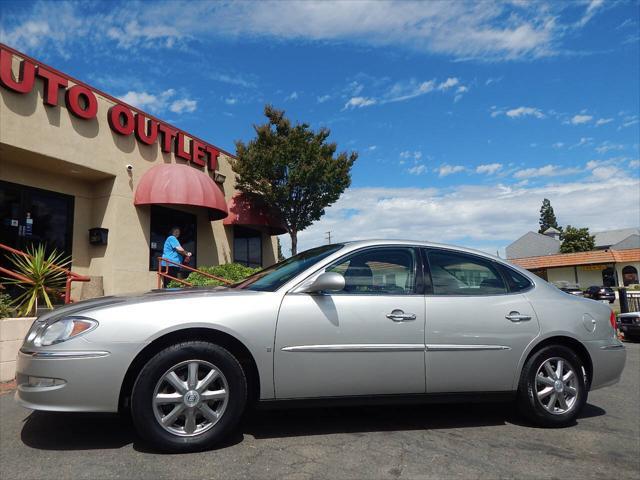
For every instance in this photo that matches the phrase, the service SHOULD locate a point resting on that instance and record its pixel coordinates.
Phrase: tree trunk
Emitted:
(294, 242)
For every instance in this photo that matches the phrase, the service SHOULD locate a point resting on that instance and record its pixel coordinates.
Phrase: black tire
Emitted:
(142, 409)
(528, 403)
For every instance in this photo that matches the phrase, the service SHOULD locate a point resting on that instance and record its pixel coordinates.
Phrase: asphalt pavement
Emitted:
(431, 441)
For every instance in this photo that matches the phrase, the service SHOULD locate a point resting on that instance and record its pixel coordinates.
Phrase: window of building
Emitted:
(629, 275)
(382, 271)
(454, 273)
(247, 247)
(162, 221)
(609, 277)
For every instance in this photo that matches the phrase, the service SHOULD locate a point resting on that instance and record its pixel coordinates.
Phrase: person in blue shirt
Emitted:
(174, 252)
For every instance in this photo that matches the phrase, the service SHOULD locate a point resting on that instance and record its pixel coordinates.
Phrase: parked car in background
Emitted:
(600, 293)
(629, 325)
(573, 290)
(382, 321)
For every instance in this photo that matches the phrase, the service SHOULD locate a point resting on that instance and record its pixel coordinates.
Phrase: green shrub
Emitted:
(6, 306)
(233, 272)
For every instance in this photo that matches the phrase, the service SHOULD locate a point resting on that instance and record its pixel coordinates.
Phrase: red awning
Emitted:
(181, 185)
(253, 213)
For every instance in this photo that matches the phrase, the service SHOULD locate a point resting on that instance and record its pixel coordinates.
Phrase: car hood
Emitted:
(84, 306)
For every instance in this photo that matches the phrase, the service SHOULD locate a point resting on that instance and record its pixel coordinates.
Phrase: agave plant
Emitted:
(43, 276)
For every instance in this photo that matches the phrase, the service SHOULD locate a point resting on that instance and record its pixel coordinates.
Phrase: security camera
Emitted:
(129, 168)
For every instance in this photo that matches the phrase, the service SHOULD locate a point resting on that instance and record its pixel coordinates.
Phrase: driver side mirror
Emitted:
(329, 281)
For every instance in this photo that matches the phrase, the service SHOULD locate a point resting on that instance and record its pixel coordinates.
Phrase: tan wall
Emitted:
(47, 147)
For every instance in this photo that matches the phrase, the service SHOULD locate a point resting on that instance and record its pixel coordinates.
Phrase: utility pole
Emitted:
(328, 237)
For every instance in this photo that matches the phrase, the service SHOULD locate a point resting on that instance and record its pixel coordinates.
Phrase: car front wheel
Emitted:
(552, 389)
(188, 397)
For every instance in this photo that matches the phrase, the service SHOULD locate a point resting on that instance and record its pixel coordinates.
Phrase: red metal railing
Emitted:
(163, 272)
(71, 276)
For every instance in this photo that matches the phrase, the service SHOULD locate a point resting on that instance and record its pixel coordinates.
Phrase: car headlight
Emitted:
(60, 330)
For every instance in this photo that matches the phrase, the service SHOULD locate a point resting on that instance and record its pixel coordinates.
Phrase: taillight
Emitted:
(612, 320)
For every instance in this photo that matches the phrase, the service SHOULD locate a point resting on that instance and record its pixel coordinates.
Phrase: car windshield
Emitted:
(272, 278)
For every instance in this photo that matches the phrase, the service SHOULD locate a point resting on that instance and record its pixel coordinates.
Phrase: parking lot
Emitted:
(443, 441)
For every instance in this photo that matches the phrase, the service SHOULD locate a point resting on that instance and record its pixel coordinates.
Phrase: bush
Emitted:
(233, 272)
(6, 306)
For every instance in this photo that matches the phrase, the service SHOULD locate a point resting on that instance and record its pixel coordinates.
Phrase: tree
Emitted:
(280, 255)
(576, 240)
(293, 169)
(547, 217)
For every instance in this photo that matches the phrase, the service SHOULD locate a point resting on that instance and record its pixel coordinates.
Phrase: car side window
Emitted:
(454, 273)
(516, 281)
(378, 271)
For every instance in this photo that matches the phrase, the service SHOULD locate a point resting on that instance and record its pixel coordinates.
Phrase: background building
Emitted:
(73, 158)
(614, 262)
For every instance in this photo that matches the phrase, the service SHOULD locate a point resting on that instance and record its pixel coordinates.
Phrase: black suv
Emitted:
(600, 293)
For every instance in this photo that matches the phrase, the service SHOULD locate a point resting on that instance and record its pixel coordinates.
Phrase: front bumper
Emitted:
(629, 329)
(79, 381)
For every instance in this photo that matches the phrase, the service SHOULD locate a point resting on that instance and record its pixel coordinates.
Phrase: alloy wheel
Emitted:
(190, 398)
(556, 386)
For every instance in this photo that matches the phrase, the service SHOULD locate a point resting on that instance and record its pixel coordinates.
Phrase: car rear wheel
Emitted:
(552, 389)
(188, 397)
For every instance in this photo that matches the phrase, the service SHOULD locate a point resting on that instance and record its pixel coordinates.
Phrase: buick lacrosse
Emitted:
(384, 321)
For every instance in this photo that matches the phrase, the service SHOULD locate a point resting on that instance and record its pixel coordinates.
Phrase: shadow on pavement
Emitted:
(78, 431)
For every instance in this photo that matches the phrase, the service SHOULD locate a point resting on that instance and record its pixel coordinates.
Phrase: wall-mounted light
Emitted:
(219, 178)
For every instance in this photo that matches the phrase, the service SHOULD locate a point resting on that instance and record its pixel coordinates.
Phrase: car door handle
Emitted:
(517, 317)
(400, 316)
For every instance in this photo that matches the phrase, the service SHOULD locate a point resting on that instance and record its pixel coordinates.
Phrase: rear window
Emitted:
(516, 281)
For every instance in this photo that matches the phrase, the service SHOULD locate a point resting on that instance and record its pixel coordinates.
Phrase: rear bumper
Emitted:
(608, 358)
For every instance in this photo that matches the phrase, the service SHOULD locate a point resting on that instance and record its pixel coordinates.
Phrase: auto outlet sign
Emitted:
(124, 120)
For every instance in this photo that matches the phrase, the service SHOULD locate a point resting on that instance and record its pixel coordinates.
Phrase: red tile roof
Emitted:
(580, 258)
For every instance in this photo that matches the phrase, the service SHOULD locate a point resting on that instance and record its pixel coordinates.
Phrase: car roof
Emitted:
(374, 242)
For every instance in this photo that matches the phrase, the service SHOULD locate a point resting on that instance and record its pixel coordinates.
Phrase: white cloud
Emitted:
(593, 6)
(371, 148)
(147, 101)
(603, 121)
(402, 91)
(231, 101)
(608, 146)
(517, 112)
(475, 216)
(546, 171)
(462, 30)
(558, 145)
(183, 105)
(292, 96)
(448, 83)
(418, 169)
(359, 102)
(445, 170)
(580, 119)
(603, 173)
(323, 98)
(634, 163)
(416, 154)
(489, 168)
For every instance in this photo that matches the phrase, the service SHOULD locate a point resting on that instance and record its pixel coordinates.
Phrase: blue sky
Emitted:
(465, 114)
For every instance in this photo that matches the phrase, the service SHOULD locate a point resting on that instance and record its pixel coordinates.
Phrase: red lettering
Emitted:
(120, 120)
(90, 108)
(198, 155)
(213, 157)
(144, 134)
(52, 83)
(180, 150)
(167, 136)
(26, 77)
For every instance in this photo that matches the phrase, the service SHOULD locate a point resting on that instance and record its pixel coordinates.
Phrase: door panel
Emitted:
(367, 339)
(471, 346)
(476, 325)
(337, 345)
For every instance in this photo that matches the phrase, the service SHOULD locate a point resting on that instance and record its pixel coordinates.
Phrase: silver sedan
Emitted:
(381, 321)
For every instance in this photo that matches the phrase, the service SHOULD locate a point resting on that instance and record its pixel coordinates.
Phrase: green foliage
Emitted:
(547, 217)
(280, 254)
(6, 306)
(46, 278)
(229, 271)
(576, 240)
(293, 169)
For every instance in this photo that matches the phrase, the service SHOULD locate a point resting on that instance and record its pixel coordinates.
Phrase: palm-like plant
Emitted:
(42, 276)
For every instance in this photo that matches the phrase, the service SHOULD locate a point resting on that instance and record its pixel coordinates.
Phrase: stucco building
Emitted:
(73, 158)
(614, 262)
